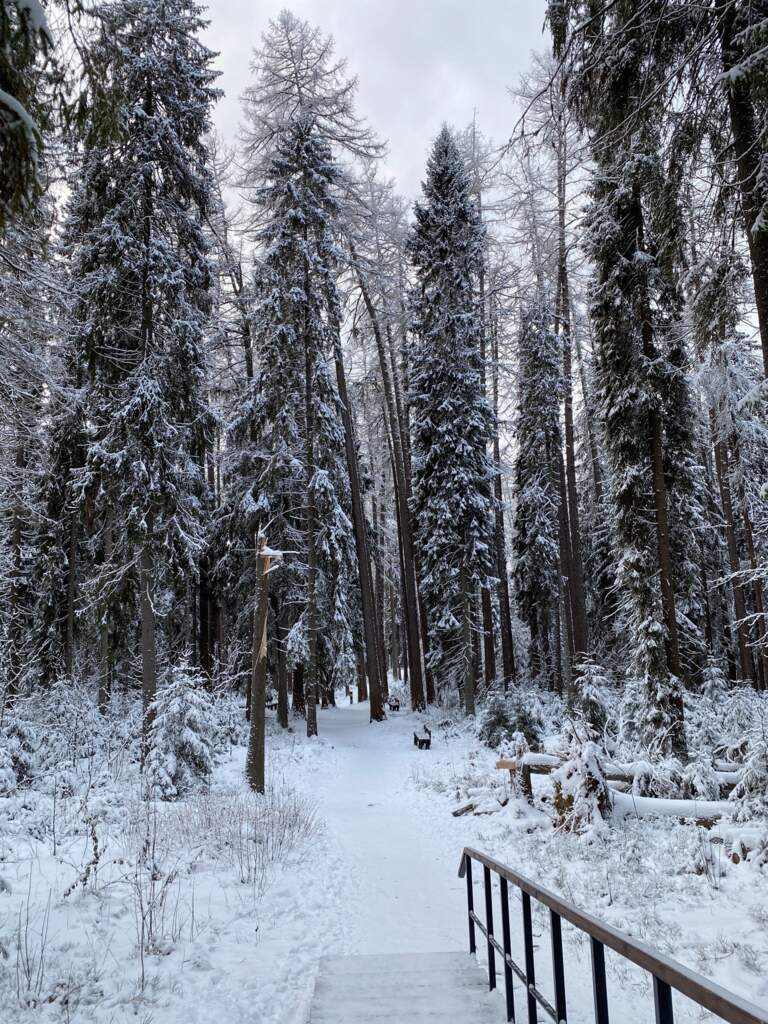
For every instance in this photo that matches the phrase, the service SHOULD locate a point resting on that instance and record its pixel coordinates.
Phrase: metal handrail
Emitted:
(667, 974)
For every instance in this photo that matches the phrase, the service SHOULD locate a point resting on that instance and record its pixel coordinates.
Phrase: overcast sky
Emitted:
(419, 63)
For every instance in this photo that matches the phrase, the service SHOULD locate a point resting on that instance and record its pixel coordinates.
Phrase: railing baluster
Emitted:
(470, 903)
(662, 1001)
(507, 943)
(667, 974)
(599, 986)
(558, 971)
(489, 927)
(530, 969)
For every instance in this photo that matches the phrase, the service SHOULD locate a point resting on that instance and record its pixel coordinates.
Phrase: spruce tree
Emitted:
(25, 44)
(141, 279)
(287, 466)
(451, 420)
(634, 241)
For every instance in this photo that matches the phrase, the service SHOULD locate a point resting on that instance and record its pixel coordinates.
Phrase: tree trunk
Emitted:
(69, 636)
(394, 634)
(739, 603)
(505, 614)
(15, 613)
(656, 458)
(378, 519)
(204, 618)
(310, 681)
(466, 640)
(575, 591)
(747, 149)
(749, 543)
(256, 758)
(105, 654)
(411, 610)
(362, 690)
(566, 567)
(148, 651)
(374, 655)
(299, 705)
(281, 668)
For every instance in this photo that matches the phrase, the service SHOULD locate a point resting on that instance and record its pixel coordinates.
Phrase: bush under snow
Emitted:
(182, 736)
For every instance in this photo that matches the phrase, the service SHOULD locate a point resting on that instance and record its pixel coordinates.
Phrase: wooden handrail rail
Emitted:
(694, 986)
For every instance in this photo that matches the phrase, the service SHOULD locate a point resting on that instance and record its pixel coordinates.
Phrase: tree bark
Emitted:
(14, 618)
(747, 149)
(656, 459)
(69, 635)
(575, 590)
(310, 681)
(148, 650)
(739, 604)
(105, 654)
(374, 655)
(505, 614)
(466, 636)
(299, 705)
(416, 676)
(256, 758)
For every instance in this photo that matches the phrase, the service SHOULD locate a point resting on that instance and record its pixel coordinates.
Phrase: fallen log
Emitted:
(702, 812)
(464, 809)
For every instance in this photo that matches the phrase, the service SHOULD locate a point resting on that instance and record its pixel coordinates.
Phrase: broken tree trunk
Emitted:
(255, 762)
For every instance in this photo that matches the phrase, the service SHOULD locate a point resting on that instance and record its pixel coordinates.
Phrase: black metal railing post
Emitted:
(470, 903)
(507, 942)
(558, 969)
(530, 968)
(662, 1002)
(488, 886)
(599, 987)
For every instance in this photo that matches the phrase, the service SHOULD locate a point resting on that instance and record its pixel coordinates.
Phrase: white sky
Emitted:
(419, 63)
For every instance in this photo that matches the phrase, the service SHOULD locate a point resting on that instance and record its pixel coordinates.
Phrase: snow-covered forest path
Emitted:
(407, 896)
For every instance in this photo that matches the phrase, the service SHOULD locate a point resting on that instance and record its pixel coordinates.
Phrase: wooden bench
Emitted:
(393, 704)
(423, 742)
(271, 705)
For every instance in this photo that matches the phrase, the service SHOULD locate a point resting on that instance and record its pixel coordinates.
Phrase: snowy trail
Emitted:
(406, 896)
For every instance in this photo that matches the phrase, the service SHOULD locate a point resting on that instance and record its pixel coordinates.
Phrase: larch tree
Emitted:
(451, 421)
(536, 484)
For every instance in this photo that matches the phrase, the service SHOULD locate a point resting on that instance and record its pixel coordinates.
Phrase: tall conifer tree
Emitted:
(451, 419)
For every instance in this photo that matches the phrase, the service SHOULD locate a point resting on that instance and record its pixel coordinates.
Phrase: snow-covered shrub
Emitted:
(581, 799)
(593, 683)
(742, 709)
(509, 713)
(630, 727)
(703, 856)
(495, 726)
(73, 725)
(519, 745)
(699, 782)
(8, 780)
(714, 685)
(751, 790)
(182, 735)
(18, 743)
(231, 727)
(662, 779)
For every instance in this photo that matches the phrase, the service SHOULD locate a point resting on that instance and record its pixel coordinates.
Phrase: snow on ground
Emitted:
(237, 937)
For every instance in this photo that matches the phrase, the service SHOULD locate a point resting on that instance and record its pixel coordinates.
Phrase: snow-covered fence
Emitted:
(667, 974)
